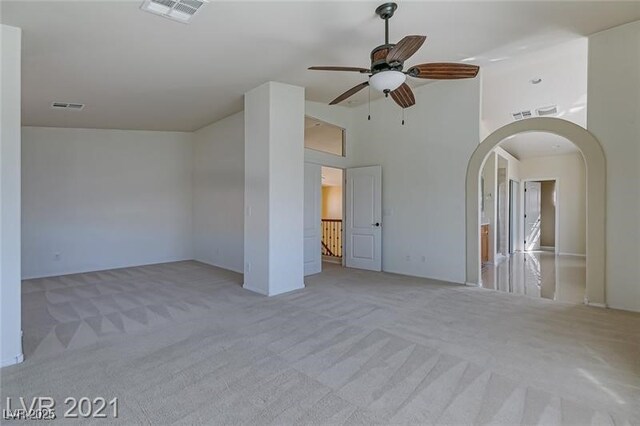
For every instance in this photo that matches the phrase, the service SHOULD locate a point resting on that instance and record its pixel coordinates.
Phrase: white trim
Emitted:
(468, 284)
(260, 291)
(414, 275)
(255, 290)
(237, 271)
(12, 361)
(596, 305)
(101, 269)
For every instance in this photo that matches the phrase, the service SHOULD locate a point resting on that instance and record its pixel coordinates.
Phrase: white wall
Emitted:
(569, 170)
(332, 202)
(424, 165)
(104, 199)
(506, 86)
(614, 118)
(10, 316)
(218, 193)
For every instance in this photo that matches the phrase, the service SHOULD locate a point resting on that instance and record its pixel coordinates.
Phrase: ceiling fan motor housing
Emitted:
(379, 59)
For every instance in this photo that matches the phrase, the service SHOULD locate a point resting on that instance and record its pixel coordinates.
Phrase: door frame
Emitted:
(556, 230)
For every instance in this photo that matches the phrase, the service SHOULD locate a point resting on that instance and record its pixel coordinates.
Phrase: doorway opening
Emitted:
(332, 214)
(342, 206)
(540, 215)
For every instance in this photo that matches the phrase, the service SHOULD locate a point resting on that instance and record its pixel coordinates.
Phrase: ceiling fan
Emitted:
(387, 61)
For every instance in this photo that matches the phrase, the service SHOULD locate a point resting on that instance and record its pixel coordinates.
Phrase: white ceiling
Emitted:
(135, 70)
(538, 144)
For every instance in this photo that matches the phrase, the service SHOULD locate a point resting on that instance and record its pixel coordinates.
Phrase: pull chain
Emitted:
(403, 116)
(369, 117)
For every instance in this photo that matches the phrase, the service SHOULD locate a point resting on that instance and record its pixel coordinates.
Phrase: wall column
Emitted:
(274, 188)
(613, 113)
(10, 268)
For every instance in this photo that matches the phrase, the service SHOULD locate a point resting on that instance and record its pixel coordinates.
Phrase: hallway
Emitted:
(539, 274)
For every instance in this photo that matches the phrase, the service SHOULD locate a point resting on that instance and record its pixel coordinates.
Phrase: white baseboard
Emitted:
(596, 305)
(100, 268)
(206, 262)
(299, 287)
(468, 284)
(406, 274)
(12, 361)
(264, 293)
(254, 289)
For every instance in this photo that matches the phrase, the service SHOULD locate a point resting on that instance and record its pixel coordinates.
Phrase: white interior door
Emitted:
(363, 230)
(532, 215)
(312, 220)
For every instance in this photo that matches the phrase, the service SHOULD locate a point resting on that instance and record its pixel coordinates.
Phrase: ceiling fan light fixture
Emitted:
(387, 63)
(387, 81)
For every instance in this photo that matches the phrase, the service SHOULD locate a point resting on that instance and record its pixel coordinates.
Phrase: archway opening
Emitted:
(595, 198)
(533, 218)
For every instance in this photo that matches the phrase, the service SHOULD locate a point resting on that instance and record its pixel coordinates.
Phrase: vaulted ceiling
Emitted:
(135, 70)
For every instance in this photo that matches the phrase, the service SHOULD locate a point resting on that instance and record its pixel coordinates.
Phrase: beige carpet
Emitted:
(184, 343)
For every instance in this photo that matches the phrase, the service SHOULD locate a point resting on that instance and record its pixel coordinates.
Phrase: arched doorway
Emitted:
(596, 198)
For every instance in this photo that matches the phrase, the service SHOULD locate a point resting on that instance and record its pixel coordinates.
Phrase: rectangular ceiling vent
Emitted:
(547, 111)
(177, 10)
(67, 106)
(520, 115)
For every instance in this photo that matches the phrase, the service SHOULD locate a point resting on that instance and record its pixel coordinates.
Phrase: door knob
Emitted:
(377, 224)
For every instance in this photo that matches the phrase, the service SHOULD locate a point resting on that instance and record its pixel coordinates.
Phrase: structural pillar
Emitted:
(10, 267)
(274, 189)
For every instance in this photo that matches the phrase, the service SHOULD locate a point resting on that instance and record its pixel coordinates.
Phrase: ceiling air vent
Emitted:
(67, 106)
(177, 10)
(521, 115)
(547, 111)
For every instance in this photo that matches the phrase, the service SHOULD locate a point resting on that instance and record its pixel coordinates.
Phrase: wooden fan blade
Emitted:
(331, 68)
(405, 48)
(403, 96)
(349, 93)
(444, 71)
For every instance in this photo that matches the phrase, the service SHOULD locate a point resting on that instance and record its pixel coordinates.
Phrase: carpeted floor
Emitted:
(184, 343)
